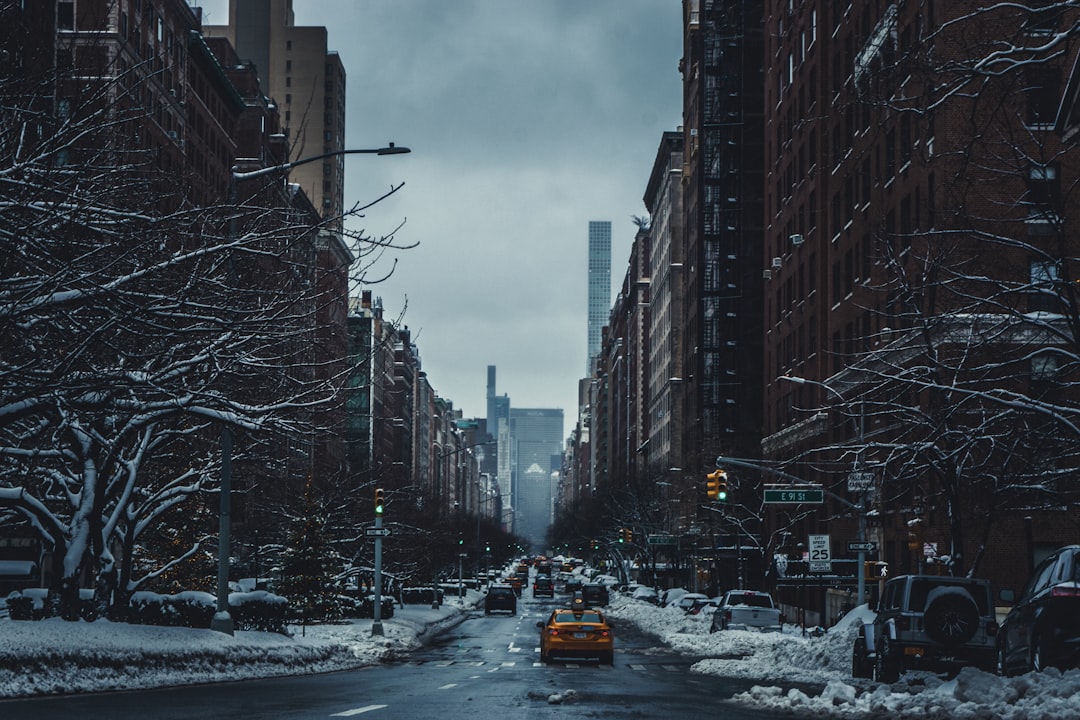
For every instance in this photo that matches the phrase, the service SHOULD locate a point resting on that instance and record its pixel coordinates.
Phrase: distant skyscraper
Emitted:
(537, 436)
(599, 286)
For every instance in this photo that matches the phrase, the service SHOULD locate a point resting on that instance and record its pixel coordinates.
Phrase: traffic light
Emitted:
(629, 535)
(460, 541)
(380, 501)
(622, 535)
(595, 544)
(716, 485)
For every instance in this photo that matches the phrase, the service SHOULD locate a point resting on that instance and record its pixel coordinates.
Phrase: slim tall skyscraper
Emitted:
(599, 286)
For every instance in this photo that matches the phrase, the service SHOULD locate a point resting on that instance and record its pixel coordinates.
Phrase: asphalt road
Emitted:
(487, 668)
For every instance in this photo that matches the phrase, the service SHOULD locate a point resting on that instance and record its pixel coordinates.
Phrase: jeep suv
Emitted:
(927, 622)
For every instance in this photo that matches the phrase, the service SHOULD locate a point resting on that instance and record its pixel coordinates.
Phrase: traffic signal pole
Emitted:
(376, 626)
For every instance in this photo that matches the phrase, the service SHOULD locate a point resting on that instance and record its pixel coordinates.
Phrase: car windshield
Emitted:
(582, 617)
(751, 599)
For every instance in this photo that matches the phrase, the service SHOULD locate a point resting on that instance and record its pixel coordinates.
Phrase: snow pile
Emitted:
(790, 657)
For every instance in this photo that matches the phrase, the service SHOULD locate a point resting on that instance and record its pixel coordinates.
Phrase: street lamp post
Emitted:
(222, 620)
(861, 534)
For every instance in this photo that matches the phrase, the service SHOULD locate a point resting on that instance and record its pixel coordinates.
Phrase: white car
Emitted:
(670, 595)
(692, 602)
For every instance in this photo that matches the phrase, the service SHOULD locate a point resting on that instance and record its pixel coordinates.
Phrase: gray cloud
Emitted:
(527, 119)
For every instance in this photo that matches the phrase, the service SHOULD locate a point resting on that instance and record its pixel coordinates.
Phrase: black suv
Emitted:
(543, 586)
(595, 594)
(500, 597)
(1043, 628)
(927, 622)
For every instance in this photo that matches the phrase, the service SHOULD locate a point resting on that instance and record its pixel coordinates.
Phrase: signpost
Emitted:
(792, 495)
(376, 532)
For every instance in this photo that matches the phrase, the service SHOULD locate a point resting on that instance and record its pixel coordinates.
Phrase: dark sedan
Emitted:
(1043, 628)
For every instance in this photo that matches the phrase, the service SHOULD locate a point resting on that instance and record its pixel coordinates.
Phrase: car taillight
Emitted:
(604, 633)
(553, 631)
(1069, 592)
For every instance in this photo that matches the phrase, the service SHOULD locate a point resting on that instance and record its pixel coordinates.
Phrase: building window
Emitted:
(65, 15)
(1044, 367)
(1042, 89)
(1042, 190)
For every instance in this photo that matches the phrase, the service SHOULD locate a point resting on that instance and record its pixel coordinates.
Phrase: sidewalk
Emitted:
(58, 657)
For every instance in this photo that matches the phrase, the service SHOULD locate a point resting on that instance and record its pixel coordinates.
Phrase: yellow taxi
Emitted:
(579, 633)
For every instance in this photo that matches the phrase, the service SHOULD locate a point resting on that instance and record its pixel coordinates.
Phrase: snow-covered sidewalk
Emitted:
(55, 656)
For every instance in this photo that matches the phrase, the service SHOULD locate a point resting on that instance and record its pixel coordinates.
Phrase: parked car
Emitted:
(646, 593)
(1043, 627)
(500, 597)
(747, 609)
(692, 602)
(927, 622)
(670, 595)
(577, 633)
(543, 585)
(574, 584)
(595, 594)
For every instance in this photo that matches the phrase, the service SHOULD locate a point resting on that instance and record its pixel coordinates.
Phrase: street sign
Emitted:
(662, 540)
(820, 553)
(376, 532)
(862, 547)
(860, 481)
(777, 495)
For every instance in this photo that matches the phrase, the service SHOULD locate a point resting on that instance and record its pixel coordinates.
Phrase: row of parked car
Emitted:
(936, 623)
(744, 609)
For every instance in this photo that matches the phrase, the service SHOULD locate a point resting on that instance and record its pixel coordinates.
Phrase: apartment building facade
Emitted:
(916, 226)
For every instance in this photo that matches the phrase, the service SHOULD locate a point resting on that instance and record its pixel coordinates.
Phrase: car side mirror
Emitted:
(540, 625)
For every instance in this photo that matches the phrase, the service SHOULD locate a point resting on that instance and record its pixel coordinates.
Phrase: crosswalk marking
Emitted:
(672, 668)
(636, 667)
(358, 711)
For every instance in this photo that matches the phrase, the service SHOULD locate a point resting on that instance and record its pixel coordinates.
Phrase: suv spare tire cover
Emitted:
(951, 616)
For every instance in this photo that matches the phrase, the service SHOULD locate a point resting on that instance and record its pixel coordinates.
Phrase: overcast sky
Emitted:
(526, 120)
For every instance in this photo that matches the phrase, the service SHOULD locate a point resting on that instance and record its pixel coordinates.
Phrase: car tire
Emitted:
(889, 664)
(1000, 667)
(1038, 653)
(860, 663)
(607, 658)
(951, 619)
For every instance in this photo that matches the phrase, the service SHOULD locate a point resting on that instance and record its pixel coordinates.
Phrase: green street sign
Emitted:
(662, 540)
(794, 496)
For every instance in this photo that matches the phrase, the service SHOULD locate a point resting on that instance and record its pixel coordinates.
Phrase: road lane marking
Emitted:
(636, 667)
(672, 668)
(447, 687)
(358, 711)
